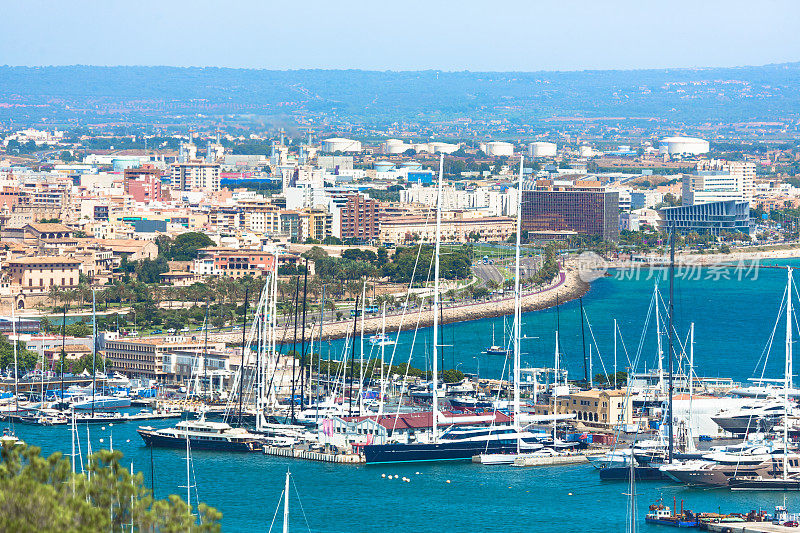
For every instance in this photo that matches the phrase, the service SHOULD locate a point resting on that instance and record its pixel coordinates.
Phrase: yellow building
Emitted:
(595, 408)
(39, 274)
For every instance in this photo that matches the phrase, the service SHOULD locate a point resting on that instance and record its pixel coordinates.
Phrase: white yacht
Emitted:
(202, 435)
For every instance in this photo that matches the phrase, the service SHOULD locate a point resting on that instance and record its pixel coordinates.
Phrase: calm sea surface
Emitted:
(733, 321)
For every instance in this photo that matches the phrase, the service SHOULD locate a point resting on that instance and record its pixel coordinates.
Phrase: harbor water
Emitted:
(733, 320)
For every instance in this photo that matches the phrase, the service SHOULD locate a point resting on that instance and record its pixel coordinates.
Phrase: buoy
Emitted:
(570, 494)
(448, 481)
(417, 473)
(396, 476)
(383, 475)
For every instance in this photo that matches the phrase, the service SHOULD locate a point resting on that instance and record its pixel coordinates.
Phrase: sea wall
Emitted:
(567, 286)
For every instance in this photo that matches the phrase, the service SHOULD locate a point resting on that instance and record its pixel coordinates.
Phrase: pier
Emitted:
(352, 458)
(745, 527)
(532, 460)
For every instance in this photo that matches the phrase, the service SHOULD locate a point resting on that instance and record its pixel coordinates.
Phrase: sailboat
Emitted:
(457, 442)
(494, 349)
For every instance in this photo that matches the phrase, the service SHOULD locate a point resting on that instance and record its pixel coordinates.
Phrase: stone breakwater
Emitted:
(567, 286)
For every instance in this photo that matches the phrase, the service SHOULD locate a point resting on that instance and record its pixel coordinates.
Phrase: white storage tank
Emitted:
(439, 147)
(395, 146)
(542, 149)
(683, 146)
(498, 148)
(337, 144)
(586, 151)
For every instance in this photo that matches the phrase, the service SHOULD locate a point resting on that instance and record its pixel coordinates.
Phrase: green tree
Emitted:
(185, 245)
(43, 494)
(26, 359)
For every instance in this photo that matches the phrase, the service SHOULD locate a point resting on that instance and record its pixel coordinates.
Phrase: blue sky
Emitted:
(402, 34)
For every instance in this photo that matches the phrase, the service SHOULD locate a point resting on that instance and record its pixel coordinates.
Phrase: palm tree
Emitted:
(55, 296)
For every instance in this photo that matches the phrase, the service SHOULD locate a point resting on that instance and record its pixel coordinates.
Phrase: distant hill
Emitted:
(691, 96)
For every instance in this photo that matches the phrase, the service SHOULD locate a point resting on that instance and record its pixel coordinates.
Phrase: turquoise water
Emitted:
(733, 322)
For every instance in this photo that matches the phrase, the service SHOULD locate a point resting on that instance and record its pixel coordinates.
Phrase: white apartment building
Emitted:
(716, 180)
(495, 202)
(195, 176)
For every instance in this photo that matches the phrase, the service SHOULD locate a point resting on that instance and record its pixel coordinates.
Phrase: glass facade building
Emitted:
(585, 210)
(712, 217)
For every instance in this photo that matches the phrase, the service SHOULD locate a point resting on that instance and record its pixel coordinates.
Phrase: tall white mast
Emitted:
(273, 317)
(658, 341)
(615, 354)
(788, 373)
(286, 505)
(383, 358)
(361, 360)
(517, 308)
(434, 425)
(16, 367)
(555, 389)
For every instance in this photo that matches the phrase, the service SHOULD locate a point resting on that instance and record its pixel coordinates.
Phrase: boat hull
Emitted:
(442, 451)
(672, 523)
(109, 403)
(157, 440)
(623, 473)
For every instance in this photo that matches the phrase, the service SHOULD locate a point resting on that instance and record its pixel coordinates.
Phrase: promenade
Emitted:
(566, 286)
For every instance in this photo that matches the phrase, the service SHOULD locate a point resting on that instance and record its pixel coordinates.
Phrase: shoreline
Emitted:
(569, 287)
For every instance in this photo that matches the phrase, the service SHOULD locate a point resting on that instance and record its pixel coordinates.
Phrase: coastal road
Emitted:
(488, 273)
(485, 272)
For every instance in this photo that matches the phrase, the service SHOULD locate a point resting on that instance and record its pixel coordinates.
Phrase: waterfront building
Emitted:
(717, 180)
(581, 206)
(150, 358)
(598, 408)
(713, 217)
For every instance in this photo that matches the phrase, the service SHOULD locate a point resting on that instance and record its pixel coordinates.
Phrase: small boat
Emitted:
(201, 434)
(662, 515)
(9, 436)
(85, 402)
(381, 340)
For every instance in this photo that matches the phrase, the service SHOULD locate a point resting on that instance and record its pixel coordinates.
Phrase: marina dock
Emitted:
(352, 458)
(745, 527)
(532, 460)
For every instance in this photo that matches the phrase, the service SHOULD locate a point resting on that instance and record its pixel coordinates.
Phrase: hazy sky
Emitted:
(402, 35)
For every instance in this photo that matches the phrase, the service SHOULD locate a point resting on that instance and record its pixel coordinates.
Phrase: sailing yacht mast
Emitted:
(788, 372)
(670, 336)
(383, 358)
(286, 505)
(517, 310)
(660, 349)
(435, 401)
(16, 365)
(94, 350)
